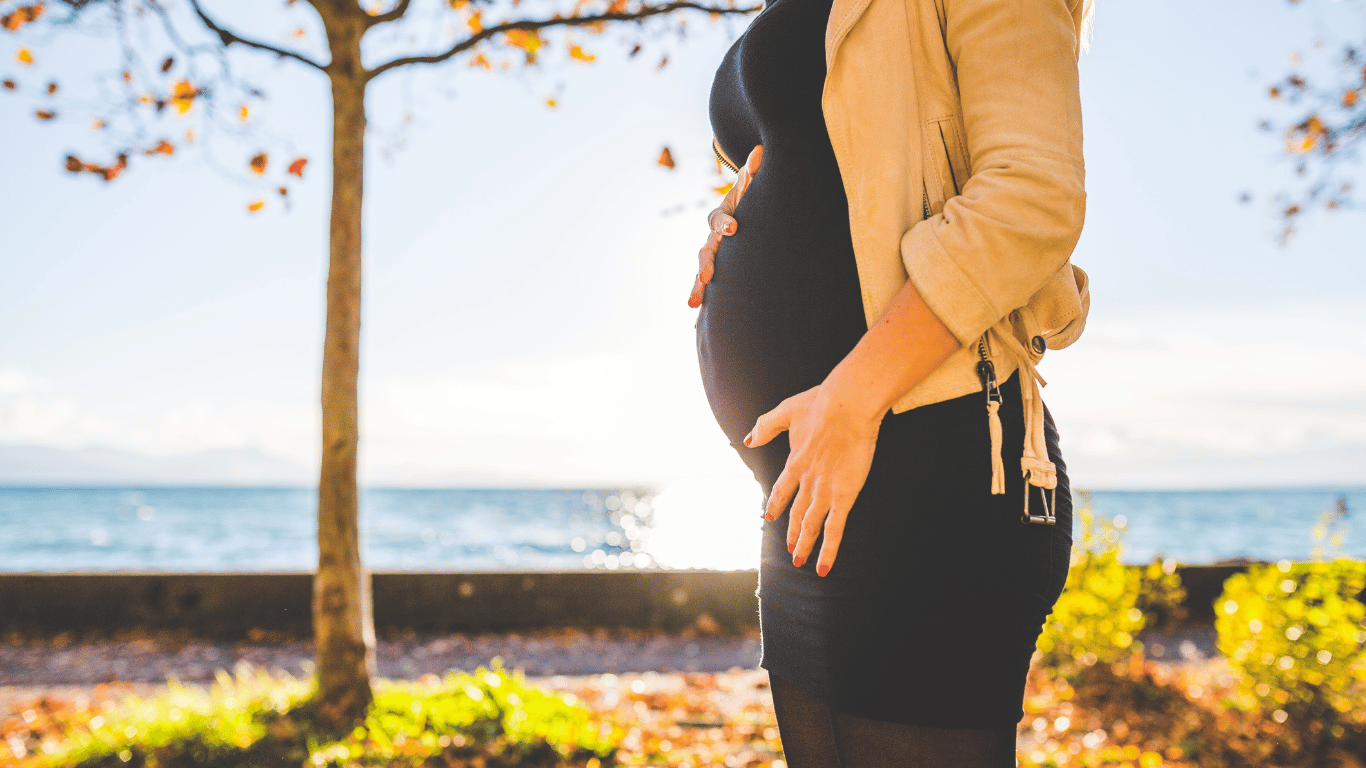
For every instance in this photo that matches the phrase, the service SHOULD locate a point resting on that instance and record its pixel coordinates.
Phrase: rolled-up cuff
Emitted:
(948, 291)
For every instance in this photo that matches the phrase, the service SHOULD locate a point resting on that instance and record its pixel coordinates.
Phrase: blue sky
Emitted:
(527, 267)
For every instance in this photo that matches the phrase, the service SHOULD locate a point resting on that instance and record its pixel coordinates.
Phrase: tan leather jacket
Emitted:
(957, 128)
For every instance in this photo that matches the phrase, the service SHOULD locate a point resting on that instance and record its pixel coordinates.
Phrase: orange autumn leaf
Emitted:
(243, 113)
(297, 167)
(284, 191)
(97, 124)
(723, 189)
(21, 16)
(481, 60)
(666, 158)
(258, 163)
(108, 173)
(127, 76)
(1349, 98)
(550, 102)
(182, 95)
(575, 52)
(162, 148)
(45, 114)
(256, 206)
(51, 88)
(476, 22)
(10, 85)
(189, 135)
(25, 55)
(298, 32)
(527, 40)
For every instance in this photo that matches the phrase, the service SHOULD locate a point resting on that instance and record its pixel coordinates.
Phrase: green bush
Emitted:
(1297, 634)
(1161, 596)
(1097, 616)
(490, 716)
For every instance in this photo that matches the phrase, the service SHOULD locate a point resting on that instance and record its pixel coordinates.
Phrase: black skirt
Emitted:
(932, 609)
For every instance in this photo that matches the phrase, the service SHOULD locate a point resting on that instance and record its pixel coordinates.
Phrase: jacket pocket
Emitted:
(949, 159)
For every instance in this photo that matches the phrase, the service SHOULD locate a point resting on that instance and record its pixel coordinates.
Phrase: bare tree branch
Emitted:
(393, 15)
(534, 24)
(229, 38)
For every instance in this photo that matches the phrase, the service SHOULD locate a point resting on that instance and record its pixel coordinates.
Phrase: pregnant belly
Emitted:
(783, 307)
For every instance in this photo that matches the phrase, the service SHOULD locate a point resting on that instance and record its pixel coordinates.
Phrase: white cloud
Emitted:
(1222, 398)
(603, 418)
(1241, 396)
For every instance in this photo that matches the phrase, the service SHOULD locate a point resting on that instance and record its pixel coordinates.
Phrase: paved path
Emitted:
(63, 667)
(141, 662)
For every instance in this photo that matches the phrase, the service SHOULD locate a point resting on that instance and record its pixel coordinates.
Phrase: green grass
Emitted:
(489, 718)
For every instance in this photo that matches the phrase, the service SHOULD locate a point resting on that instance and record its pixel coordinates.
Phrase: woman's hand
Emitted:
(832, 442)
(722, 223)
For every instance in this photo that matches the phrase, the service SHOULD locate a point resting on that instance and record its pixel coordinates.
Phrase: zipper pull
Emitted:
(986, 371)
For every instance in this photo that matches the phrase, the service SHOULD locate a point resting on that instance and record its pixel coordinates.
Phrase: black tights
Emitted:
(814, 736)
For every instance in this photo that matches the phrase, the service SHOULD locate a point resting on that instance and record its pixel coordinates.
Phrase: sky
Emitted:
(527, 267)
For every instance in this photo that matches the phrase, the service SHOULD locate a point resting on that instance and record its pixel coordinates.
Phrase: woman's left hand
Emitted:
(832, 446)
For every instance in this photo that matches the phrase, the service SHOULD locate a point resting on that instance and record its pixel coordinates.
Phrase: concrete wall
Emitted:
(230, 604)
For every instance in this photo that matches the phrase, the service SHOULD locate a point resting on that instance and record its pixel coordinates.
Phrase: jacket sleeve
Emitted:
(1018, 216)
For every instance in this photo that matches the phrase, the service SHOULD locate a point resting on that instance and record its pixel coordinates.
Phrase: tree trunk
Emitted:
(343, 622)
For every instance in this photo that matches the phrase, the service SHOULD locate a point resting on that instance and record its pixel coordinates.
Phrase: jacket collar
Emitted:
(843, 14)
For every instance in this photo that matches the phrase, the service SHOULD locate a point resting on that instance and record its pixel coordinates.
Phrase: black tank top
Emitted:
(784, 306)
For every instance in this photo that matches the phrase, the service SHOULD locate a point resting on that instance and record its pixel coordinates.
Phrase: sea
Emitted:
(691, 525)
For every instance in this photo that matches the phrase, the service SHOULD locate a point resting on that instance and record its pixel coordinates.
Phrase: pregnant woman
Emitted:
(878, 285)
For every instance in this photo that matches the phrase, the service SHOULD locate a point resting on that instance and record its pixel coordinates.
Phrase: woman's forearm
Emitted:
(903, 347)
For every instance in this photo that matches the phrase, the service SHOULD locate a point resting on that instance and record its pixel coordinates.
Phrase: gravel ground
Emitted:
(141, 662)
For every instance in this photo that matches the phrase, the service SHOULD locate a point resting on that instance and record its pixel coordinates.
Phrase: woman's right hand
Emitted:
(722, 224)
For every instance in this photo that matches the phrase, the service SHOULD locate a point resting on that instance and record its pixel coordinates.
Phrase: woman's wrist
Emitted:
(851, 395)
(903, 347)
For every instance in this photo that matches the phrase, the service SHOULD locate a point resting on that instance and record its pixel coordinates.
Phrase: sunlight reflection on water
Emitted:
(708, 522)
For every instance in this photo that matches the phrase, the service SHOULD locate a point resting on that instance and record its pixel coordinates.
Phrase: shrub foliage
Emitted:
(1297, 634)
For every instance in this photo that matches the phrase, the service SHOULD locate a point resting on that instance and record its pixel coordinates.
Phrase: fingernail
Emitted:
(790, 547)
(797, 561)
(748, 438)
(822, 569)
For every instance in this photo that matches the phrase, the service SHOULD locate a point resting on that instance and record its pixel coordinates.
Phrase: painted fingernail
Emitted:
(748, 438)
(797, 561)
(790, 547)
(822, 569)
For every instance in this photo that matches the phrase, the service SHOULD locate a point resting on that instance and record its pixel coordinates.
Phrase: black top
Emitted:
(784, 306)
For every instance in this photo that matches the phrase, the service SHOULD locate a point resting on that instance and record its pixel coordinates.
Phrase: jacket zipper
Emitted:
(722, 158)
(986, 371)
